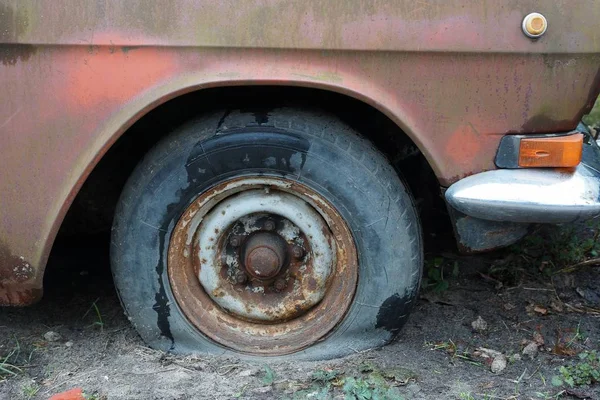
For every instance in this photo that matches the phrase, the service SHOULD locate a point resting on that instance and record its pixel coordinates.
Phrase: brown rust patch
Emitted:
(18, 286)
(14, 269)
(19, 295)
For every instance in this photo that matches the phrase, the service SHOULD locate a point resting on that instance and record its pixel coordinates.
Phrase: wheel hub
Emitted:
(259, 279)
(253, 260)
(264, 255)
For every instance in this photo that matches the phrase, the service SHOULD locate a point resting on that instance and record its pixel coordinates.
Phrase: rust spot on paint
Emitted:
(17, 276)
(14, 269)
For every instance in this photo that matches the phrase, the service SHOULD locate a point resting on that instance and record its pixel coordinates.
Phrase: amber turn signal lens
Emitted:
(559, 151)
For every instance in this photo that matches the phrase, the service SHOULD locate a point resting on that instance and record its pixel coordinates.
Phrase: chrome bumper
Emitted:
(532, 195)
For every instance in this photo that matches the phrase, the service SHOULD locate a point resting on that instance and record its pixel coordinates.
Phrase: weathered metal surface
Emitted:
(263, 316)
(264, 255)
(557, 195)
(454, 75)
(265, 220)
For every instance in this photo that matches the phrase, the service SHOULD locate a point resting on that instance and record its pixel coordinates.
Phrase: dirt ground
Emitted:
(522, 294)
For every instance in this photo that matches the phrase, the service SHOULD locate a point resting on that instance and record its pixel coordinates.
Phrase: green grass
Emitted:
(99, 321)
(367, 389)
(269, 376)
(437, 271)
(370, 382)
(9, 363)
(94, 396)
(7, 368)
(30, 390)
(548, 250)
(586, 371)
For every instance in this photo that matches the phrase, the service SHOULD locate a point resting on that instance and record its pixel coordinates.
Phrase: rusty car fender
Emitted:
(26, 240)
(455, 76)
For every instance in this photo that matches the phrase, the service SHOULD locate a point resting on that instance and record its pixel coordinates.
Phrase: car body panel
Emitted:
(454, 75)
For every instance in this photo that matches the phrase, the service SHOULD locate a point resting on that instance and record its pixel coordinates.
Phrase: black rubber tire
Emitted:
(335, 161)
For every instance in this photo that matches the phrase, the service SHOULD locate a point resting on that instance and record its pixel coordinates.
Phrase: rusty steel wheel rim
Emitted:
(262, 265)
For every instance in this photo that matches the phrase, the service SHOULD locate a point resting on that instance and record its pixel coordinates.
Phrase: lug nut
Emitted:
(279, 284)
(269, 225)
(241, 278)
(235, 240)
(297, 252)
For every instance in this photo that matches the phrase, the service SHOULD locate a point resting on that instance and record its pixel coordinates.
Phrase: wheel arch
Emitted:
(152, 104)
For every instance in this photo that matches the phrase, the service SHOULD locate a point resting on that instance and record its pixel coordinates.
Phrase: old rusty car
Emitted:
(258, 160)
